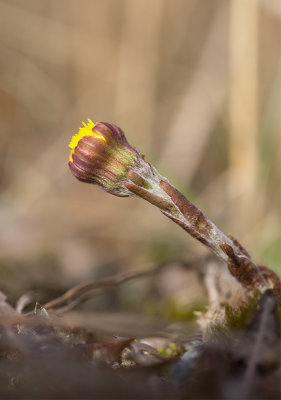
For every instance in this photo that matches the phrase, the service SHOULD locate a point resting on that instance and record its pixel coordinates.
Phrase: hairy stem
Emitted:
(177, 207)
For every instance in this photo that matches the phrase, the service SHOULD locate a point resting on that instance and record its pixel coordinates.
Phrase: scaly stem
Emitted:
(159, 192)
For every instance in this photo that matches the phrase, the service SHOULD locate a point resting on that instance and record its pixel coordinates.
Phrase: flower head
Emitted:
(100, 154)
(87, 129)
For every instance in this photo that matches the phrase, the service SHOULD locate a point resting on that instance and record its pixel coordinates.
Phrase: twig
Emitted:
(86, 291)
(267, 303)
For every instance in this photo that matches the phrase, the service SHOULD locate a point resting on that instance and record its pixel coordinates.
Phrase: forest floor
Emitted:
(226, 352)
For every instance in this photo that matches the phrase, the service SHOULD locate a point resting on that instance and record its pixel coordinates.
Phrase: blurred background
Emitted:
(194, 84)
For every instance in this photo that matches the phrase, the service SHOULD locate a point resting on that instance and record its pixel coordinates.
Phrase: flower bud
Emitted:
(101, 155)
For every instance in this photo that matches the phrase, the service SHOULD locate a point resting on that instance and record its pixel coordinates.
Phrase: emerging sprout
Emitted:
(100, 154)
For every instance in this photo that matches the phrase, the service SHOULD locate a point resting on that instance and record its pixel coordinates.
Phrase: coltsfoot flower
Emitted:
(101, 155)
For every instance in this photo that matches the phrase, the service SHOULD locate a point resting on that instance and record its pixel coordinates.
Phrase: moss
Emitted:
(171, 350)
(239, 317)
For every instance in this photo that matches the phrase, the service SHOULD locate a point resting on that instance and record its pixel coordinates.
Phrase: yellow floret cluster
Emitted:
(86, 130)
